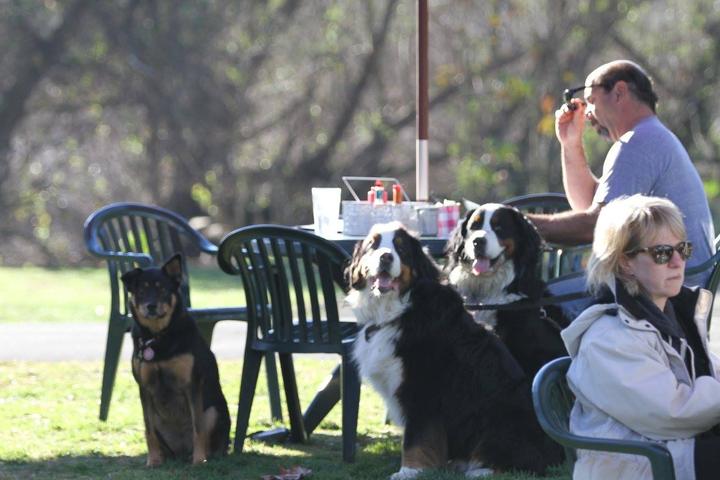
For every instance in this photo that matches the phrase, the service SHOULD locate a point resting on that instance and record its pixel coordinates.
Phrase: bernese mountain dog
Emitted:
(453, 386)
(492, 258)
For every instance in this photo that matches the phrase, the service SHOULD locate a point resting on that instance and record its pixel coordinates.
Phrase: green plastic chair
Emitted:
(290, 279)
(550, 202)
(130, 235)
(553, 401)
(557, 260)
(714, 279)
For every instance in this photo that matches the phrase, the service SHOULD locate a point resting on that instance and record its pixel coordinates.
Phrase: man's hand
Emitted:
(569, 124)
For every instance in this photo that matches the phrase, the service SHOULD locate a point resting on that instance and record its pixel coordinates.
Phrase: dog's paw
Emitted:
(479, 472)
(154, 460)
(405, 473)
(471, 469)
(199, 459)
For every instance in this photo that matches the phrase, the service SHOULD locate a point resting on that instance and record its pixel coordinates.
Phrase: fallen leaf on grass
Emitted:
(293, 473)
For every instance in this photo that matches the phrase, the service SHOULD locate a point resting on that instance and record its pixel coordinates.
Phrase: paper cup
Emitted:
(326, 210)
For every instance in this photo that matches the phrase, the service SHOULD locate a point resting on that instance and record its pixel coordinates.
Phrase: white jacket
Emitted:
(631, 384)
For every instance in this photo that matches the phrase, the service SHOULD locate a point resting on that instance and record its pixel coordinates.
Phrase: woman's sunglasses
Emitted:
(661, 254)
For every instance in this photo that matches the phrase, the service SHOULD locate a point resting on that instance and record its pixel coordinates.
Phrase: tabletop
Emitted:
(435, 245)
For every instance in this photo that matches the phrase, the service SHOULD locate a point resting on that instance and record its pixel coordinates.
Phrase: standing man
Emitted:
(645, 158)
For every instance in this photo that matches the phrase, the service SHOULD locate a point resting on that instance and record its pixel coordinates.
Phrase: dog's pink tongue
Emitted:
(384, 282)
(481, 265)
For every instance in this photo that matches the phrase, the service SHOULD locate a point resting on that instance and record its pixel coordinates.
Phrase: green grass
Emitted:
(49, 430)
(32, 294)
(48, 411)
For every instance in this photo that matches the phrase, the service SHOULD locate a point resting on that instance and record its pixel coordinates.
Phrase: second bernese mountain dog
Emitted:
(492, 258)
(453, 386)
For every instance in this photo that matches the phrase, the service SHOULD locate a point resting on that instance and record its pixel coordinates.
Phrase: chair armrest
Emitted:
(552, 401)
(660, 459)
(219, 313)
(635, 447)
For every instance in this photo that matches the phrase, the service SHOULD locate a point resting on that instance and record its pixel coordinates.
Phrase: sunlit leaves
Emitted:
(234, 74)
(712, 188)
(133, 144)
(202, 195)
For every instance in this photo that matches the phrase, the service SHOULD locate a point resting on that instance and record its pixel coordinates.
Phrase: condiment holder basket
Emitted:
(360, 215)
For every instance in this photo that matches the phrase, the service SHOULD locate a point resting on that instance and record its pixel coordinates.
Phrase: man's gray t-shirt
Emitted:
(649, 159)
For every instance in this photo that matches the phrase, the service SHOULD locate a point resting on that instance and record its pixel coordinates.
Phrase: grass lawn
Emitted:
(82, 294)
(48, 411)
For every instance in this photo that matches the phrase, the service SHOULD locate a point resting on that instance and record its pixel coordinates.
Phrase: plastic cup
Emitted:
(326, 210)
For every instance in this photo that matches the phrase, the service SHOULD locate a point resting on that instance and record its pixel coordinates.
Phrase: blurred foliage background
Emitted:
(233, 109)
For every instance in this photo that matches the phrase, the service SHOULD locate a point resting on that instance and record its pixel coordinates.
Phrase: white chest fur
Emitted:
(485, 289)
(374, 349)
(379, 365)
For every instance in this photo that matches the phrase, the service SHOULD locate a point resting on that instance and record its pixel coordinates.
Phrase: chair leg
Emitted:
(248, 382)
(206, 331)
(273, 387)
(350, 407)
(324, 400)
(297, 427)
(117, 327)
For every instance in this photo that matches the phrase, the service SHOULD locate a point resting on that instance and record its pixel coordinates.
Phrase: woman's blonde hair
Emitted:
(622, 226)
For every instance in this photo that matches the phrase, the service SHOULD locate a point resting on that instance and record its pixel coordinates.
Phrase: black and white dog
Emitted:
(492, 258)
(460, 395)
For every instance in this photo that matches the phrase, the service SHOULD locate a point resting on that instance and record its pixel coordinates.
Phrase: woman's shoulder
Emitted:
(607, 322)
(617, 328)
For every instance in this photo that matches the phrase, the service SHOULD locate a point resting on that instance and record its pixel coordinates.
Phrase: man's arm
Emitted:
(578, 180)
(567, 228)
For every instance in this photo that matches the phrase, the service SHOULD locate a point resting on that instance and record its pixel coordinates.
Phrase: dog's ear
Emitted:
(455, 245)
(527, 256)
(130, 279)
(354, 272)
(423, 265)
(173, 268)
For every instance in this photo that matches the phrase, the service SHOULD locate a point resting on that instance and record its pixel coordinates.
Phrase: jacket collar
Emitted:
(641, 307)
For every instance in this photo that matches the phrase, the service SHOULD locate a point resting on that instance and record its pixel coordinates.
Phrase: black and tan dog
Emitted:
(184, 409)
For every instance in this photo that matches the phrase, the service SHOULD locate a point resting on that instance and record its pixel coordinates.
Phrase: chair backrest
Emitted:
(572, 284)
(539, 202)
(713, 279)
(556, 261)
(130, 235)
(553, 400)
(289, 277)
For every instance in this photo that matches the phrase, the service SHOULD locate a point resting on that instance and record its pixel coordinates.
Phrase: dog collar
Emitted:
(145, 350)
(373, 328)
(370, 330)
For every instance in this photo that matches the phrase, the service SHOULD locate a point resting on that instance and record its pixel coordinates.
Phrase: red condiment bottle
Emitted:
(397, 194)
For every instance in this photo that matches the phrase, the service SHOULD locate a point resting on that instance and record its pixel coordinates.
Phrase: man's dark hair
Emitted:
(637, 80)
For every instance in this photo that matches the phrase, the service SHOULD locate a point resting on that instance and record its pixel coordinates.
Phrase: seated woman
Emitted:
(641, 368)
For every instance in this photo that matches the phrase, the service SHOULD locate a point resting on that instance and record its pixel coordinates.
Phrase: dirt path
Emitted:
(86, 341)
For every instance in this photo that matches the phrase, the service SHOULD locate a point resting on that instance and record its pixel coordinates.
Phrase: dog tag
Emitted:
(148, 353)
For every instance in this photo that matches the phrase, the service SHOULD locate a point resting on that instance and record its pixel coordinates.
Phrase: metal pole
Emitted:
(422, 191)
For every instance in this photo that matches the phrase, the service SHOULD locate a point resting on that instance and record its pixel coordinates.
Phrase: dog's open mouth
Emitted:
(485, 266)
(384, 282)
